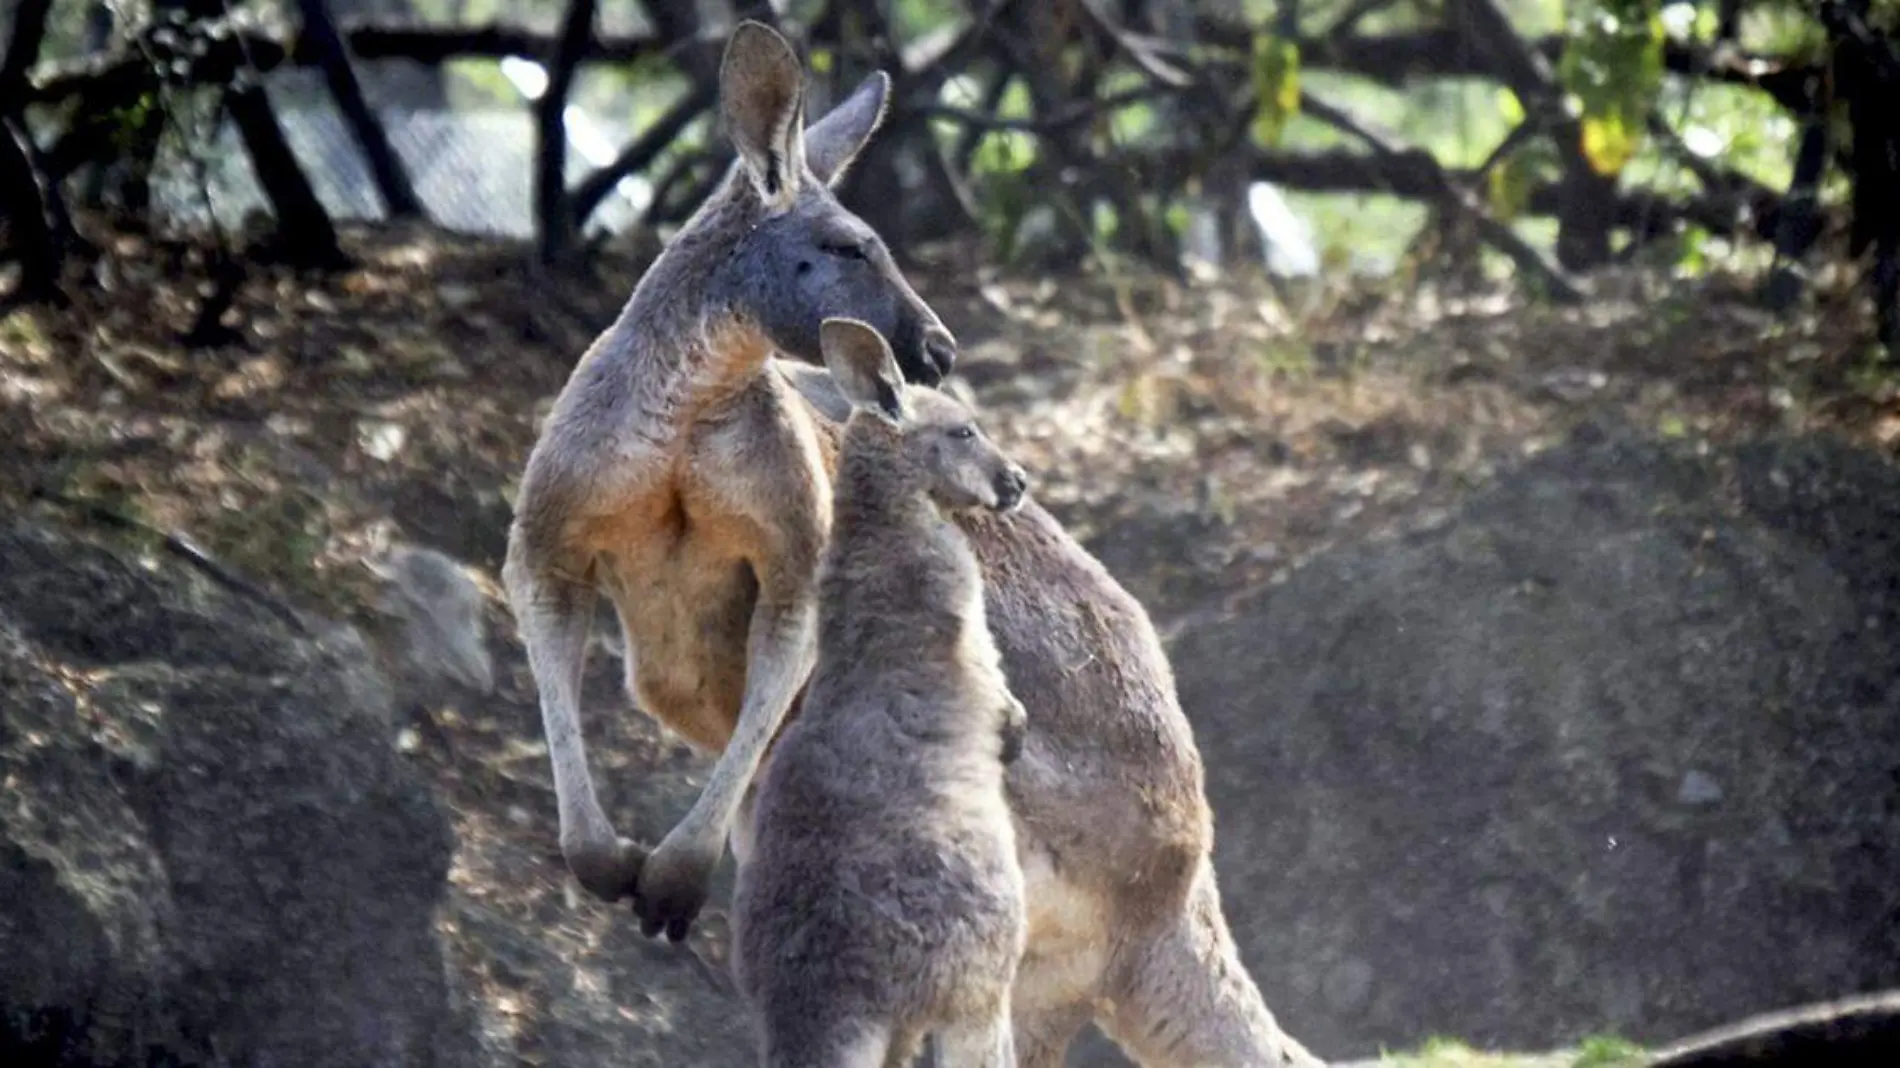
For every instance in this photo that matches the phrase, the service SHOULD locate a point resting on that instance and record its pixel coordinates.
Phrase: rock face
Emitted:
(210, 852)
(1615, 748)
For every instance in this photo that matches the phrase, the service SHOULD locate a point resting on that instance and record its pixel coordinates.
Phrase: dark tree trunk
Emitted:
(305, 234)
(31, 203)
(98, 37)
(1867, 75)
(392, 180)
(1588, 206)
(23, 48)
(556, 223)
(1798, 223)
(25, 200)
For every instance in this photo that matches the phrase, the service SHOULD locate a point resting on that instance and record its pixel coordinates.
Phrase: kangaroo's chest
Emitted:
(742, 507)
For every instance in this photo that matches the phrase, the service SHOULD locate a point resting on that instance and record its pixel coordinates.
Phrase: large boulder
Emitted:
(1615, 748)
(210, 852)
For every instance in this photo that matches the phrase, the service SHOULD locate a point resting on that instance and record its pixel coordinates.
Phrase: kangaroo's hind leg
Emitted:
(985, 1043)
(1183, 999)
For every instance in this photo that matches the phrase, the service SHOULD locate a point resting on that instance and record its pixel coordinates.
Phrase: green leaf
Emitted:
(1276, 81)
(1509, 106)
(1613, 65)
(1509, 186)
(1609, 142)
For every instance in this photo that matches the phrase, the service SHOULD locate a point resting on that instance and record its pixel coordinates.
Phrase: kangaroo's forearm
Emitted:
(553, 612)
(781, 652)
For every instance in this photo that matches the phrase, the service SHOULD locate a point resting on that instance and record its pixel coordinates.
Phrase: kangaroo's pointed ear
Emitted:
(860, 361)
(835, 140)
(762, 96)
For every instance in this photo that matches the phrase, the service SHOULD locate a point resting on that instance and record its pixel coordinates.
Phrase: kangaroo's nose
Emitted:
(940, 350)
(1010, 487)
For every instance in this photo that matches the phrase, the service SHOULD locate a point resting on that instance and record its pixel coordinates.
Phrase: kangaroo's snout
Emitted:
(1011, 485)
(940, 353)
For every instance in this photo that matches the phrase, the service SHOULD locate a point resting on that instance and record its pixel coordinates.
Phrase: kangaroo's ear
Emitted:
(835, 140)
(860, 361)
(762, 96)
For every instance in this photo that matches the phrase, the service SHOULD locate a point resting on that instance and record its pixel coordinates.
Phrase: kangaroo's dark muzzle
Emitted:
(940, 353)
(1011, 485)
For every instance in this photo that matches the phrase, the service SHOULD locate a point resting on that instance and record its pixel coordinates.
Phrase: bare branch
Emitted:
(642, 151)
(29, 202)
(550, 183)
(305, 234)
(392, 180)
(23, 49)
(1455, 198)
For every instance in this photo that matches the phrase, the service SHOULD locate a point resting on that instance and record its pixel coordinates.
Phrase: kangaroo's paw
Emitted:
(674, 885)
(608, 874)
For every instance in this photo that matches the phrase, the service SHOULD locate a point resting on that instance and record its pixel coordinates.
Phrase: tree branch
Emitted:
(305, 234)
(23, 49)
(392, 180)
(642, 151)
(1455, 198)
(30, 201)
(1394, 59)
(550, 182)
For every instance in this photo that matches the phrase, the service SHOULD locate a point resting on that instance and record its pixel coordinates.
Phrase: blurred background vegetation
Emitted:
(1541, 139)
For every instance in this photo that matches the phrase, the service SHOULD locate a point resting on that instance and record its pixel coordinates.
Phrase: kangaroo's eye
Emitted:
(963, 433)
(846, 250)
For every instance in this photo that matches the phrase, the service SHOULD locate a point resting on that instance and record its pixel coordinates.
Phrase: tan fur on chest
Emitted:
(743, 494)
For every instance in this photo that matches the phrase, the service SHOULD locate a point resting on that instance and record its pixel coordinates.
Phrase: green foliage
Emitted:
(1607, 1051)
(129, 122)
(1596, 1052)
(478, 84)
(1613, 65)
(1509, 185)
(1131, 122)
(1276, 81)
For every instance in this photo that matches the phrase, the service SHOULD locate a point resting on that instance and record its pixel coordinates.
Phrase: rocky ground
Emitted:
(1217, 455)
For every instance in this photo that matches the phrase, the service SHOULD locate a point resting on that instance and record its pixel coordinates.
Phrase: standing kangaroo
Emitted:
(688, 473)
(879, 898)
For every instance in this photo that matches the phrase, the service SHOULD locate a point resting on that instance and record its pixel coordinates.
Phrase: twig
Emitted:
(643, 150)
(1139, 49)
(719, 163)
(1456, 199)
(1513, 141)
(1075, 113)
(185, 549)
(1349, 19)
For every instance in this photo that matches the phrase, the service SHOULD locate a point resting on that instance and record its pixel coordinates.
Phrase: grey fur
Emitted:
(880, 898)
(670, 418)
(689, 474)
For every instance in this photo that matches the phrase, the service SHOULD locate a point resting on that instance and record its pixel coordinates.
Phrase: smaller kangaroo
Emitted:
(879, 899)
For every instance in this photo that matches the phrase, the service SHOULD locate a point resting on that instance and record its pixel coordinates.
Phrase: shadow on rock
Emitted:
(1614, 749)
(210, 852)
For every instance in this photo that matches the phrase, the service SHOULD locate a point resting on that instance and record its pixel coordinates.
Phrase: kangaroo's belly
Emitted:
(1070, 935)
(684, 611)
